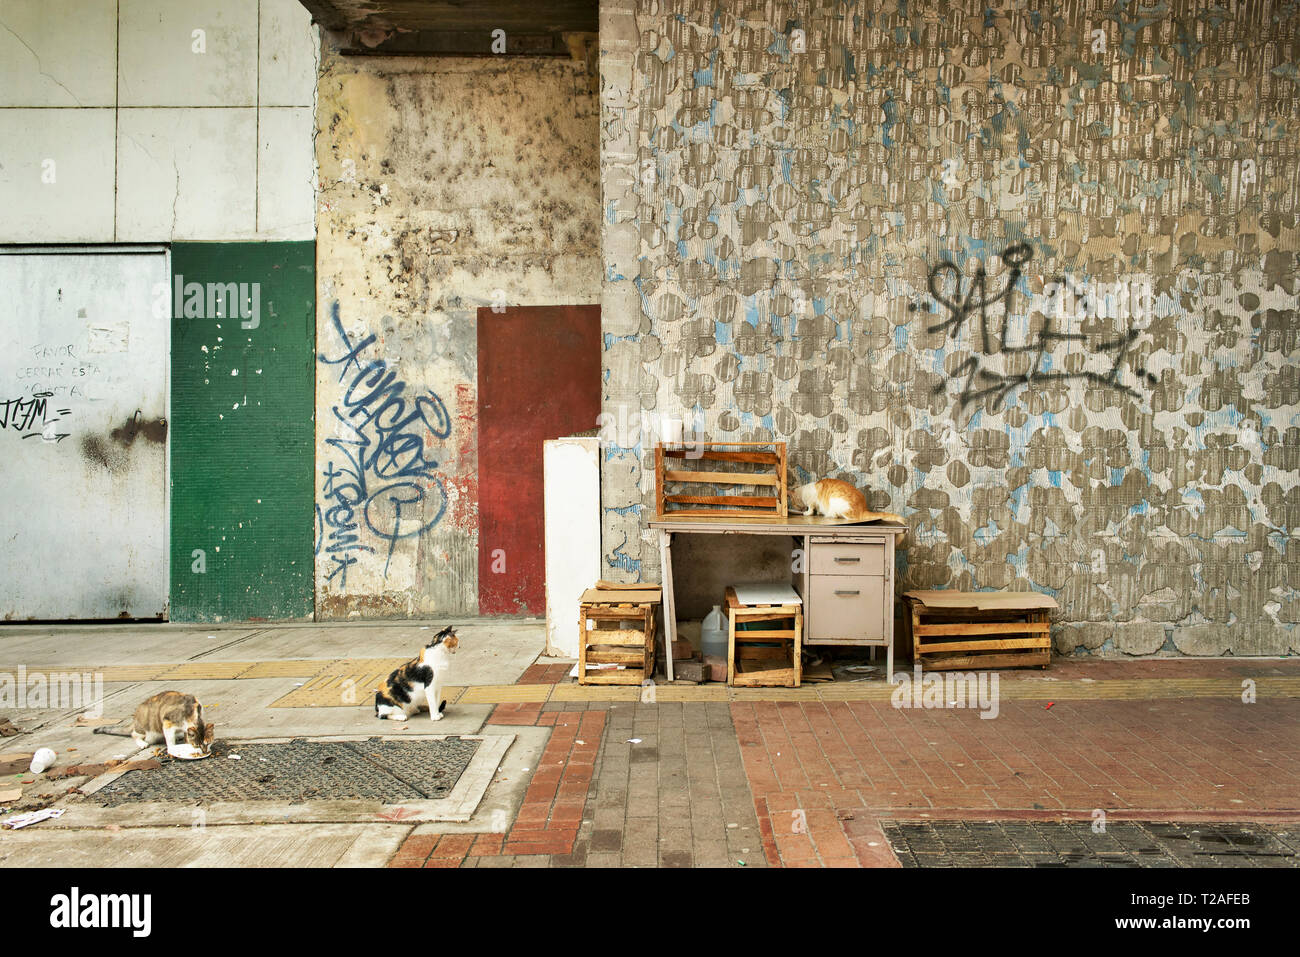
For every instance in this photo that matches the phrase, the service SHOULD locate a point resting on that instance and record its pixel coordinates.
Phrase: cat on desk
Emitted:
(835, 499)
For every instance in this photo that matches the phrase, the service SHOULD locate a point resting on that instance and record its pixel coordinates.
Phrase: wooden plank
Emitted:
(631, 676)
(582, 643)
(603, 585)
(766, 678)
(611, 656)
(753, 654)
(998, 644)
(986, 628)
(986, 600)
(612, 636)
(713, 455)
(604, 612)
(764, 635)
(688, 513)
(659, 479)
(725, 478)
(754, 501)
(980, 662)
(670, 600)
(759, 616)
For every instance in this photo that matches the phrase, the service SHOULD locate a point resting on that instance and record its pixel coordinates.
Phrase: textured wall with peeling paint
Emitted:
(779, 209)
(442, 181)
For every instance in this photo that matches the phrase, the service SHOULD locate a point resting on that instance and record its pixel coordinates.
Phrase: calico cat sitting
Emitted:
(836, 499)
(173, 719)
(418, 683)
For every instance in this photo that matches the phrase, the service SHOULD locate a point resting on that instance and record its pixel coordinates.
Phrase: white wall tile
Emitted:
(286, 179)
(58, 54)
(78, 205)
(158, 65)
(186, 174)
(289, 52)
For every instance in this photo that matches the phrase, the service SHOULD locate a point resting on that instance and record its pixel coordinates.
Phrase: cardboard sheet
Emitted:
(983, 600)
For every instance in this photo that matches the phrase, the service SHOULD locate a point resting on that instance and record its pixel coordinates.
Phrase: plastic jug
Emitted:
(713, 633)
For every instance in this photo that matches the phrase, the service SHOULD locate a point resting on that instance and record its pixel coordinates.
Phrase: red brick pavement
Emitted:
(552, 808)
(822, 774)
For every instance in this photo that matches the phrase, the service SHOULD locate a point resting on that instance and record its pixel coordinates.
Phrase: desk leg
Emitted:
(889, 606)
(670, 604)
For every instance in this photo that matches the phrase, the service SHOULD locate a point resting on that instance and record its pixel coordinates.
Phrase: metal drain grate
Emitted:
(1121, 844)
(301, 770)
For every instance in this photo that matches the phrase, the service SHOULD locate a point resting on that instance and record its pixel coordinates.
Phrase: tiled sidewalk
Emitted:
(667, 790)
(774, 777)
(824, 773)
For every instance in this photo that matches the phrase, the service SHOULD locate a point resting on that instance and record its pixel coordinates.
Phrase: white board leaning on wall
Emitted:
(571, 502)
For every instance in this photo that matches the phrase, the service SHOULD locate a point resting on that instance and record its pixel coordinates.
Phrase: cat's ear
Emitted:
(209, 731)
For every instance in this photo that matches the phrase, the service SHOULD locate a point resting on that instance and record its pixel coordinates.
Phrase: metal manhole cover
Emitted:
(301, 770)
(1071, 844)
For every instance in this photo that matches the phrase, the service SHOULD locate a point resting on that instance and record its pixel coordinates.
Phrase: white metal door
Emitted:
(83, 433)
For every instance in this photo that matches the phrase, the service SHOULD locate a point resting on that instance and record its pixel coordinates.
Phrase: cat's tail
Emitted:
(866, 515)
(109, 730)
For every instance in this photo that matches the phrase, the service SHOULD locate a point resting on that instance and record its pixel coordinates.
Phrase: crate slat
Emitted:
(721, 478)
(611, 656)
(979, 662)
(999, 644)
(713, 455)
(756, 501)
(983, 628)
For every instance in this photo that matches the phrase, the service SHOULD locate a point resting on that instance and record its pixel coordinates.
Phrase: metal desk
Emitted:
(845, 575)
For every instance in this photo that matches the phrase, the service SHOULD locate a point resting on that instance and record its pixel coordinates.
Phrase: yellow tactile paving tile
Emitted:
(299, 668)
(577, 692)
(709, 692)
(209, 670)
(505, 694)
(133, 672)
(345, 683)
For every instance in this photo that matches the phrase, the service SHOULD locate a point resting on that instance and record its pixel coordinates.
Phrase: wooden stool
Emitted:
(603, 639)
(979, 629)
(749, 665)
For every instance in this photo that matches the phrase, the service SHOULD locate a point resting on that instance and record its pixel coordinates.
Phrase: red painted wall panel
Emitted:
(538, 378)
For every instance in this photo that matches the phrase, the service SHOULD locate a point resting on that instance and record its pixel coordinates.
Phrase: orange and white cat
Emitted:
(836, 499)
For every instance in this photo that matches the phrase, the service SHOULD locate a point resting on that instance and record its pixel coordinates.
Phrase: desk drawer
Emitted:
(833, 558)
(846, 607)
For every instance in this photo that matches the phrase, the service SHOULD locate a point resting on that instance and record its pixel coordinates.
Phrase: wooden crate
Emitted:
(757, 465)
(616, 625)
(749, 664)
(978, 630)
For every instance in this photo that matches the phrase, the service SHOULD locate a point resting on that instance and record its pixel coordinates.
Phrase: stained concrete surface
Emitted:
(493, 652)
(263, 845)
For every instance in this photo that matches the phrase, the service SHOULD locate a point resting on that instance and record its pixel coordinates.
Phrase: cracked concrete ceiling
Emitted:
(454, 26)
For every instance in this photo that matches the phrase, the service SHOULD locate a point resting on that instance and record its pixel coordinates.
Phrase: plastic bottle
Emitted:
(713, 633)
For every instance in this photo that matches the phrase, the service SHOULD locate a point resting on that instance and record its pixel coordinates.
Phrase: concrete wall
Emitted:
(446, 184)
(798, 199)
(152, 120)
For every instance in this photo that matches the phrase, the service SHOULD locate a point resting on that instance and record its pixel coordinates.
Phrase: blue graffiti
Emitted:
(384, 479)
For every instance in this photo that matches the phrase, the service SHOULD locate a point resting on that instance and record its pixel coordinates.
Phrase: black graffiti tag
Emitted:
(982, 385)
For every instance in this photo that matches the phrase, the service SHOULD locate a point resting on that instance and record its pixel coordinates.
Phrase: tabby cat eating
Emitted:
(173, 719)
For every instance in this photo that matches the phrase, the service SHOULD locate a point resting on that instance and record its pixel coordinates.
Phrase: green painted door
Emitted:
(242, 432)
